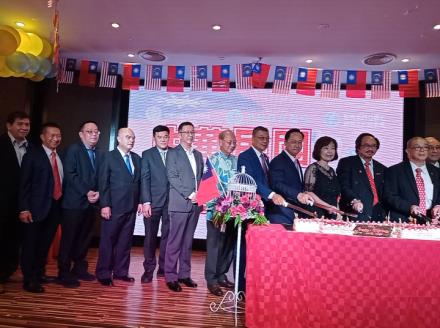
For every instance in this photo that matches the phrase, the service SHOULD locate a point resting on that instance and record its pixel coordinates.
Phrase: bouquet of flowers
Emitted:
(239, 208)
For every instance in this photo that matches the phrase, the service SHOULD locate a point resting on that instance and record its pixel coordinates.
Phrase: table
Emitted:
(312, 280)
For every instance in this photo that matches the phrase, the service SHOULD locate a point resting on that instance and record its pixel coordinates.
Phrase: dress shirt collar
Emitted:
(160, 150)
(364, 161)
(49, 151)
(18, 143)
(122, 153)
(188, 151)
(293, 158)
(258, 152)
(423, 168)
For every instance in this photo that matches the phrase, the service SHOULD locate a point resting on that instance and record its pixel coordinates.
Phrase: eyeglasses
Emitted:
(188, 132)
(420, 148)
(97, 132)
(369, 146)
(434, 147)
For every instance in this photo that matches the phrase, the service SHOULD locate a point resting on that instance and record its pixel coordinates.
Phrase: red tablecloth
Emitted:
(317, 280)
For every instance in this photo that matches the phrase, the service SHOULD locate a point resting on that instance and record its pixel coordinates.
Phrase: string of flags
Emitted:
(253, 76)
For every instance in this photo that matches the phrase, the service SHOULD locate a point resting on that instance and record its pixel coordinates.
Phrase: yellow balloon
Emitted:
(47, 49)
(2, 62)
(6, 72)
(28, 75)
(36, 45)
(18, 62)
(8, 43)
(25, 43)
(13, 31)
(37, 78)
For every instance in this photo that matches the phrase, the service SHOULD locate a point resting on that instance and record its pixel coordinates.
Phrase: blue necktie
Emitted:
(91, 153)
(127, 162)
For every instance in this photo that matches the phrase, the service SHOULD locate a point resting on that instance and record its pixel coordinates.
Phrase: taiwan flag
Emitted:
(409, 83)
(208, 185)
(132, 73)
(220, 77)
(176, 78)
(356, 84)
(260, 72)
(87, 73)
(306, 84)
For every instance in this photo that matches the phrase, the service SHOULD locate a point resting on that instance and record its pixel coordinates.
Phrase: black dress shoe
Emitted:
(215, 290)
(85, 276)
(188, 282)
(160, 273)
(124, 278)
(174, 286)
(226, 284)
(146, 278)
(46, 279)
(69, 282)
(106, 282)
(33, 287)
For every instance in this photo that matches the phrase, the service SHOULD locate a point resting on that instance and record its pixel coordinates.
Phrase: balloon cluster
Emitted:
(24, 54)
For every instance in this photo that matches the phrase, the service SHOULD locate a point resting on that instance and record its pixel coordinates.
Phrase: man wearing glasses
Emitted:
(81, 169)
(362, 180)
(412, 186)
(184, 170)
(433, 151)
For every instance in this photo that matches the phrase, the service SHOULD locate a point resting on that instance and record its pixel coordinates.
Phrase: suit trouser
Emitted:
(179, 245)
(10, 240)
(219, 251)
(151, 225)
(77, 232)
(37, 238)
(115, 245)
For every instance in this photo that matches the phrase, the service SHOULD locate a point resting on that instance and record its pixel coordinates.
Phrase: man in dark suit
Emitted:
(13, 146)
(433, 151)
(412, 186)
(40, 205)
(184, 169)
(119, 193)
(362, 180)
(256, 163)
(81, 167)
(154, 195)
(286, 178)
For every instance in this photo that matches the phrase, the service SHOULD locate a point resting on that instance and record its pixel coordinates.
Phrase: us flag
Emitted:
(109, 75)
(67, 70)
(243, 79)
(153, 77)
(199, 76)
(330, 83)
(432, 84)
(282, 81)
(380, 84)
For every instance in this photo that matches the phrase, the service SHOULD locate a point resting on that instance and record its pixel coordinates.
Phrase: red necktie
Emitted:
(421, 189)
(57, 189)
(372, 183)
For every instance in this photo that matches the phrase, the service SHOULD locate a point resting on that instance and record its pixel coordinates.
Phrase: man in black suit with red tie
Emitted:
(13, 146)
(119, 193)
(154, 194)
(412, 187)
(40, 205)
(81, 169)
(362, 180)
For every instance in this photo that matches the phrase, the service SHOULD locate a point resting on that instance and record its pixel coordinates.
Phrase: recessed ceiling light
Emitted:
(115, 25)
(216, 27)
(309, 61)
(436, 27)
(130, 55)
(405, 60)
(20, 24)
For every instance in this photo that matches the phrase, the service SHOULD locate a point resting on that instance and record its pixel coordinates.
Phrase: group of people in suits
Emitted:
(45, 189)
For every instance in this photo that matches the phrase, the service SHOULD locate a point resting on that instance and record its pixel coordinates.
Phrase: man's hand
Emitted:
(357, 206)
(25, 217)
(278, 200)
(415, 210)
(146, 210)
(305, 198)
(139, 209)
(92, 196)
(106, 212)
(193, 198)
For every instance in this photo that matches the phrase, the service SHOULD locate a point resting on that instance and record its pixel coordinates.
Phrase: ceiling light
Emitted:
(436, 27)
(309, 61)
(130, 55)
(20, 24)
(216, 27)
(405, 60)
(115, 25)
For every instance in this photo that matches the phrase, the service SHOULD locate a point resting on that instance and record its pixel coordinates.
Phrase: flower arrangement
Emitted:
(239, 208)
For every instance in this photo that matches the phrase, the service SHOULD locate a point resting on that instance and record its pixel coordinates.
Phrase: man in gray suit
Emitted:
(154, 196)
(184, 169)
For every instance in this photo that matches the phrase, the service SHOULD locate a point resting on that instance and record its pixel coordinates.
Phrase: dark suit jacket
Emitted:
(154, 180)
(181, 178)
(250, 160)
(355, 185)
(401, 189)
(119, 189)
(285, 180)
(36, 184)
(9, 177)
(79, 176)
